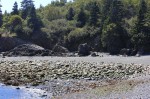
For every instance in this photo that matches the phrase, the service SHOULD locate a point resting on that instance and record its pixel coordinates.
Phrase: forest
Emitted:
(105, 25)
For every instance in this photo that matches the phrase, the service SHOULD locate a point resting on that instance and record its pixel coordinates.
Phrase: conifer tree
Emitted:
(26, 5)
(116, 12)
(141, 32)
(33, 21)
(141, 16)
(113, 34)
(15, 9)
(94, 14)
(81, 18)
(63, 1)
(70, 14)
(1, 20)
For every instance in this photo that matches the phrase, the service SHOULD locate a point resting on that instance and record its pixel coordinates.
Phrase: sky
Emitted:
(8, 4)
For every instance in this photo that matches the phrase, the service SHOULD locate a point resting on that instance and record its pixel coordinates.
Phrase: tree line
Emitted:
(106, 25)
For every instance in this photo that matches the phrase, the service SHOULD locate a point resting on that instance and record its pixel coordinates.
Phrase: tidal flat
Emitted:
(59, 76)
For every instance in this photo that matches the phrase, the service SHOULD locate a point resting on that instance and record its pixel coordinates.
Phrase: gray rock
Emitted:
(93, 54)
(60, 49)
(83, 49)
(28, 50)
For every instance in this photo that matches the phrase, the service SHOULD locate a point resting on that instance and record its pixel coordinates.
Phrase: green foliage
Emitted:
(58, 3)
(26, 5)
(81, 18)
(141, 16)
(110, 24)
(1, 20)
(15, 22)
(70, 14)
(32, 21)
(57, 30)
(106, 9)
(15, 9)
(81, 35)
(116, 12)
(141, 30)
(52, 13)
(94, 13)
(113, 38)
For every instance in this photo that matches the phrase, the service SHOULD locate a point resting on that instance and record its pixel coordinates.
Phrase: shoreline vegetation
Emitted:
(111, 26)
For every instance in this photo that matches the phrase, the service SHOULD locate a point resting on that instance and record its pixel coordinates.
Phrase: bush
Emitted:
(113, 38)
(57, 30)
(82, 35)
(15, 22)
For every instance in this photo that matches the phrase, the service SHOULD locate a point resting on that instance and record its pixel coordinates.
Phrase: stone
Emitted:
(93, 54)
(83, 49)
(60, 49)
(28, 50)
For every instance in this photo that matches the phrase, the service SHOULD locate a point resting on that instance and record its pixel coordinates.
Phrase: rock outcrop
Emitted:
(28, 50)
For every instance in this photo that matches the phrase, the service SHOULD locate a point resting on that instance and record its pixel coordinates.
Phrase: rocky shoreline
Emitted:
(62, 77)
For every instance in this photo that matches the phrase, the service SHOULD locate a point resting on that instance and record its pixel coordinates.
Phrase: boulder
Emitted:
(134, 52)
(125, 52)
(28, 50)
(60, 49)
(131, 52)
(83, 50)
(94, 54)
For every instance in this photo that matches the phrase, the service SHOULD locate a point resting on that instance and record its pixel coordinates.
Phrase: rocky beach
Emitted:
(60, 76)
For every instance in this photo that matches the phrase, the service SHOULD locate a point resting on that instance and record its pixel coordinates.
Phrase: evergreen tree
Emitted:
(142, 16)
(63, 1)
(105, 13)
(94, 14)
(113, 34)
(70, 14)
(15, 9)
(26, 5)
(141, 32)
(106, 10)
(1, 20)
(81, 18)
(1, 16)
(116, 12)
(33, 21)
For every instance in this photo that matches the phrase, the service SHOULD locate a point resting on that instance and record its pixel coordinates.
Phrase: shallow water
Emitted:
(9, 92)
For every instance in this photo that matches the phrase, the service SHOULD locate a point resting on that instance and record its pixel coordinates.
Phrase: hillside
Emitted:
(106, 25)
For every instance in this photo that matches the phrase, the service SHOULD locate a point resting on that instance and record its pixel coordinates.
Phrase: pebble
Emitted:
(38, 71)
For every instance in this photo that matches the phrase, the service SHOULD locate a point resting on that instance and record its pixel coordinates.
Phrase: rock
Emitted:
(17, 88)
(83, 49)
(60, 49)
(28, 50)
(93, 54)
(134, 52)
(125, 52)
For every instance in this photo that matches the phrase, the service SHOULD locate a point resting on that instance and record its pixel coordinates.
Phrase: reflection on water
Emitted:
(9, 92)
